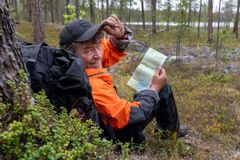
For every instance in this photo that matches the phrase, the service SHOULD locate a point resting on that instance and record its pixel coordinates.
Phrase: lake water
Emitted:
(195, 24)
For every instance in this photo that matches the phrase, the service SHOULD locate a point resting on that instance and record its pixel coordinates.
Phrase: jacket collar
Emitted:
(95, 71)
(100, 73)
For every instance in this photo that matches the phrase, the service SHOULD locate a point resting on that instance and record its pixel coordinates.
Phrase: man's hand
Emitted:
(159, 79)
(113, 26)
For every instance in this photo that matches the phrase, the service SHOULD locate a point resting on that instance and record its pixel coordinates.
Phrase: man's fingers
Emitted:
(107, 29)
(157, 71)
(115, 17)
(163, 72)
(113, 26)
(110, 22)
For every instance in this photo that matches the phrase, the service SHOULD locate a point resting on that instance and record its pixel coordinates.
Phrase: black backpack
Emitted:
(62, 76)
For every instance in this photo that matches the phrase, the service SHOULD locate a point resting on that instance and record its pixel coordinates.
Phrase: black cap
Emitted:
(78, 31)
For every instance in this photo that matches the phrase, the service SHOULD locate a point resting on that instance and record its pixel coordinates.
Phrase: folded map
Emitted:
(142, 75)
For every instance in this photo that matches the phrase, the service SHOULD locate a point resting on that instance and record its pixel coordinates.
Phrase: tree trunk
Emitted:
(62, 10)
(235, 28)
(102, 6)
(37, 21)
(190, 13)
(107, 8)
(121, 10)
(143, 15)
(29, 12)
(168, 14)
(16, 10)
(56, 9)
(10, 56)
(218, 28)
(92, 14)
(23, 9)
(210, 21)
(10, 2)
(77, 9)
(130, 11)
(67, 10)
(199, 19)
(153, 5)
(112, 7)
(45, 8)
(51, 11)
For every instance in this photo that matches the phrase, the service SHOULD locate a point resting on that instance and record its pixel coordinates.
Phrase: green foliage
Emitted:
(208, 102)
(38, 132)
(214, 77)
(182, 12)
(72, 14)
(223, 36)
(124, 151)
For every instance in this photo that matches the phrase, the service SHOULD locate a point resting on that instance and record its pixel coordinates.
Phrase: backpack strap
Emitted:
(33, 56)
(36, 50)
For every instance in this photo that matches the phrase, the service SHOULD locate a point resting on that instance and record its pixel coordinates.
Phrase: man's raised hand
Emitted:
(113, 26)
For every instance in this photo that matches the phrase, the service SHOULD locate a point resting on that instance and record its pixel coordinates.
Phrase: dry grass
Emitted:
(208, 102)
(24, 31)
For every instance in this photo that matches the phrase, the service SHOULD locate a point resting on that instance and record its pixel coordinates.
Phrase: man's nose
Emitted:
(97, 54)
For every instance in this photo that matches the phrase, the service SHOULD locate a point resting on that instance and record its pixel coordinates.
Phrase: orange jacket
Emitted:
(107, 101)
(119, 112)
(110, 54)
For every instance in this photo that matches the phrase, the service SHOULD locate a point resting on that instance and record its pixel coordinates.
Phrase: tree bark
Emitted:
(235, 28)
(190, 13)
(10, 56)
(67, 10)
(29, 11)
(130, 12)
(210, 21)
(45, 8)
(37, 21)
(77, 9)
(153, 5)
(143, 15)
(168, 14)
(92, 13)
(199, 19)
(102, 6)
(16, 9)
(111, 7)
(51, 11)
(121, 10)
(56, 9)
(218, 29)
(107, 8)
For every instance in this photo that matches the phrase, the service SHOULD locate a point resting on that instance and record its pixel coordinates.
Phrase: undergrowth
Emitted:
(208, 102)
(33, 130)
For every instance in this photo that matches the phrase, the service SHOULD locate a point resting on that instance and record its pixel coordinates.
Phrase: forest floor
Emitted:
(208, 99)
(208, 103)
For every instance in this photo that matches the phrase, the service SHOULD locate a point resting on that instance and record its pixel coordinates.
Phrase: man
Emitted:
(128, 119)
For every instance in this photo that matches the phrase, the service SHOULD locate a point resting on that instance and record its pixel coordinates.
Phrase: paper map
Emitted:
(142, 76)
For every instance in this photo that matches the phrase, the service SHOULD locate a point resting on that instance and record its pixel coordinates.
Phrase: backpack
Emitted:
(62, 76)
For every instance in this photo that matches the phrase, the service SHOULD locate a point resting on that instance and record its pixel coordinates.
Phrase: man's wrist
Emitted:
(127, 33)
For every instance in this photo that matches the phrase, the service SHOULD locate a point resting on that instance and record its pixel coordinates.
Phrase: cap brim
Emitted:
(89, 33)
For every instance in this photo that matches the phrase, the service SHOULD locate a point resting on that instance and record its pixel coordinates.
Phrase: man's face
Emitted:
(91, 54)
